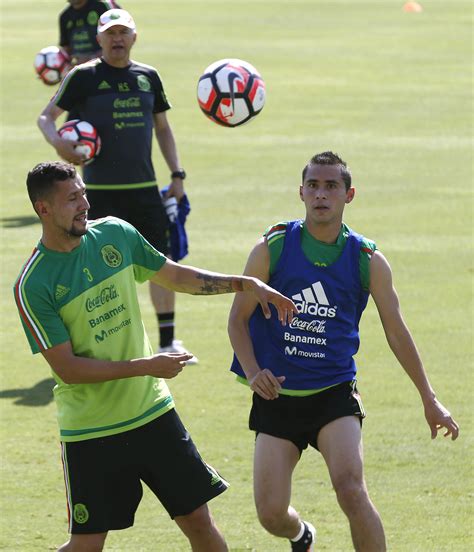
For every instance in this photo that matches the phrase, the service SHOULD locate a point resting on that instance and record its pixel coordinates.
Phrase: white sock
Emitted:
(300, 534)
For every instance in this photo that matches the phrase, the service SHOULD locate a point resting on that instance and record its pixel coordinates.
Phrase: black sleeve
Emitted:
(63, 35)
(161, 100)
(73, 89)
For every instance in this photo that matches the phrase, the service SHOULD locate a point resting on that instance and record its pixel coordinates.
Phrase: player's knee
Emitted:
(271, 516)
(198, 521)
(351, 492)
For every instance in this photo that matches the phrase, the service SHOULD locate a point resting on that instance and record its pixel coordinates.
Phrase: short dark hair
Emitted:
(41, 179)
(330, 158)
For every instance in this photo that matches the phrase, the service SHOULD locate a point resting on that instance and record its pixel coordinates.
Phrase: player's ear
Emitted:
(301, 192)
(42, 207)
(350, 194)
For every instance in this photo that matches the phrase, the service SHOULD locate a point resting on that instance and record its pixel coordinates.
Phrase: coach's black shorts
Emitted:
(299, 419)
(142, 208)
(103, 476)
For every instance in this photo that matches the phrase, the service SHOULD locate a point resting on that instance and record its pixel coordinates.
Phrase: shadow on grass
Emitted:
(17, 222)
(40, 394)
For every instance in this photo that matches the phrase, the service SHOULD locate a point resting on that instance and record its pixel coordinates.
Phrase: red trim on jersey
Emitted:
(22, 312)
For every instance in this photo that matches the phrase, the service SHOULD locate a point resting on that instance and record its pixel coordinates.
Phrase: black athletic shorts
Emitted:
(142, 208)
(299, 419)
(104, 476)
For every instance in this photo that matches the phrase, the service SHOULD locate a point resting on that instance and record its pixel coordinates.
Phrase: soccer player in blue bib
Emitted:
(303, 375)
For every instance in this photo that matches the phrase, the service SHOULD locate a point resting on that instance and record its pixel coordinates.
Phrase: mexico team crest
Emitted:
(92, 18)
(143, 83)
(112, 257)
(80, 513)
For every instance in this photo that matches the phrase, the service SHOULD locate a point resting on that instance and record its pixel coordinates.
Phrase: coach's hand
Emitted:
(176, 189)
(66, 150)
(167, 365)
(265, 384)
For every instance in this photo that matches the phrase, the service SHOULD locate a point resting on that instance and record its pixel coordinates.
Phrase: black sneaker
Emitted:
(306, 542)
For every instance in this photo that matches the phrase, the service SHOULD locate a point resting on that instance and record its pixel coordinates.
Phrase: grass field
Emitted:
(392, 93)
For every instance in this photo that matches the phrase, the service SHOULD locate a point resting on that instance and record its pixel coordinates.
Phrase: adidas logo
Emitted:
(215, 480)
(313, 300)
(61, 291)
(104, 85)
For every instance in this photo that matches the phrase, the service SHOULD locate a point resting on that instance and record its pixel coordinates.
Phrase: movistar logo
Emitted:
(100, 337)
(104, 85)
(313, 300)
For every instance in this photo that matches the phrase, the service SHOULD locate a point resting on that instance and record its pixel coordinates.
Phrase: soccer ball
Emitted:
(231, 92)
(51, 64)
(83, 132)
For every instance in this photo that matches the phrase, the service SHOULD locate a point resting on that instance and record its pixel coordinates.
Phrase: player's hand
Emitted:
(66, 149)
(265, 384)
(176, 189)
(266, 294)
(168, 365)
(438, 417)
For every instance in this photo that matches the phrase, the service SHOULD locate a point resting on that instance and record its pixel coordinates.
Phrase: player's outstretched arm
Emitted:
(403, 346)
(76, 369)
(196, 281)
(262, 381)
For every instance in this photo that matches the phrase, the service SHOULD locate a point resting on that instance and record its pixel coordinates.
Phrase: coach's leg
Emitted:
(84, 543)
(201, 530)
(274, 462)
(163, 299)
(164, 304)
(340, 443)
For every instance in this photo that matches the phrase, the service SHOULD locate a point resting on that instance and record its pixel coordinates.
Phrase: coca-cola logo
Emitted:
(107, 294)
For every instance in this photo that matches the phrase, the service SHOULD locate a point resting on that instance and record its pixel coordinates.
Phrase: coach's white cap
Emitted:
(115, 17)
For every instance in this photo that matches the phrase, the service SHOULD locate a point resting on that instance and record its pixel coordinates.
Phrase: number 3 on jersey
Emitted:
(88, 274)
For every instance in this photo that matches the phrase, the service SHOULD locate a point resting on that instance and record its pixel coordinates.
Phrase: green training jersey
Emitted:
(88, 297)
(319, 253)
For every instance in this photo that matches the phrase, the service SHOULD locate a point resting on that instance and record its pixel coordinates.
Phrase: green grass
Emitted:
(391, 92)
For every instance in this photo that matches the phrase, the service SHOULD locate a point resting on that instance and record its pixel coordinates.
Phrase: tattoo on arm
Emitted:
(214, 285)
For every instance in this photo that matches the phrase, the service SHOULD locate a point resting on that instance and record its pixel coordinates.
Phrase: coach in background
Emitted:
(125, 101)
(78, 28)
(304, 376)
(78, 303)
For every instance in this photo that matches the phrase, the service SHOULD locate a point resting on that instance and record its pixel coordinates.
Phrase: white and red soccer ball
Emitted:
(83, 132)
(231, 92)
(51, 64)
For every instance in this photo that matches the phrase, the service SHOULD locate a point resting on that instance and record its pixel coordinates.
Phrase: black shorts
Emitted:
(299, 419)
(103, 476)
(142, 208)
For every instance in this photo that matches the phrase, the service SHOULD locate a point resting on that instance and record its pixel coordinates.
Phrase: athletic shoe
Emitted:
(177, 347)
(306, 542)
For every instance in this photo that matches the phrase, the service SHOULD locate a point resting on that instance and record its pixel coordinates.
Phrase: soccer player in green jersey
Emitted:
(303, 376)
(77, 300)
